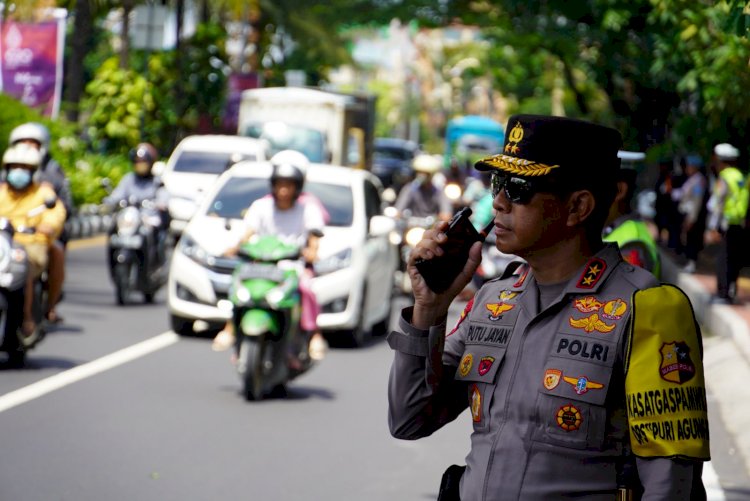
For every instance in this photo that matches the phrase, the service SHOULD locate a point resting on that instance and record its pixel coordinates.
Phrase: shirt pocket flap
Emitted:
(576, 380)
(480, 363)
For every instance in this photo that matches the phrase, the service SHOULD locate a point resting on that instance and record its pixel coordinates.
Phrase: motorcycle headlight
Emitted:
(243, 295)
(127, 221)
(338, 261)
(452, 191)
(191, 249)
(414, 236)
(6, 254)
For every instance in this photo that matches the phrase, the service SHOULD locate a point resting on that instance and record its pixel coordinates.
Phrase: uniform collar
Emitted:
(589, 278)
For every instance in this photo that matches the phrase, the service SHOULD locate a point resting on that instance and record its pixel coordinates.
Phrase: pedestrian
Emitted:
(583, 375)
(726, 221)
(692, 205)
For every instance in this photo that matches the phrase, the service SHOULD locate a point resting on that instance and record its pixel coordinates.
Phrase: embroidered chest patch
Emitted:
(569, 418)
(676, 364)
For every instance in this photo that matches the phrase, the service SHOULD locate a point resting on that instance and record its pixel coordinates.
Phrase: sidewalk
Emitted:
(726, 353)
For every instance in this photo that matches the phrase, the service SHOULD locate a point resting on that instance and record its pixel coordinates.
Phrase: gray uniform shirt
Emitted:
(140, 189)
(537, 435)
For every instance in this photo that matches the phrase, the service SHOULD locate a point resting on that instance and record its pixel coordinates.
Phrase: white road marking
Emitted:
(714, 492)
(105, 363)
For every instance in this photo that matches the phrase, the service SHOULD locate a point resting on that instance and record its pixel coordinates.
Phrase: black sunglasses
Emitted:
(517, 189)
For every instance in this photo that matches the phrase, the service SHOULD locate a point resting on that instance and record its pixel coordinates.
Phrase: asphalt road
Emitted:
(114, 406)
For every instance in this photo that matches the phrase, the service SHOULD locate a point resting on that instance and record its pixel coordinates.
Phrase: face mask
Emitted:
(19, 178)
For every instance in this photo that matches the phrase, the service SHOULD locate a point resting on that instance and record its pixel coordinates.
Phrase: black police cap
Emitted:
(539, 145)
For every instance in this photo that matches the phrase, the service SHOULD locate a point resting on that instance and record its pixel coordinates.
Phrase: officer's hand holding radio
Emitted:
(441, 265)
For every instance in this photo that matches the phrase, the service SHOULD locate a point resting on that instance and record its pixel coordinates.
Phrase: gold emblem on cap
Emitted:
(515, 136)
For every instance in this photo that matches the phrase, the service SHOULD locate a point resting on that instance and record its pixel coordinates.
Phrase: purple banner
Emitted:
(237, 82)
(31, 63)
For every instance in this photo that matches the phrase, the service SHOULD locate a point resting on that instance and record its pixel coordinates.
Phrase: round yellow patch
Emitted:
(465, 366)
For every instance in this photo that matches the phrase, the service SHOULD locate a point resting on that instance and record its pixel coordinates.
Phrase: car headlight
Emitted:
(191, 249)
(338, 261)
(414, 236)
(128, 220)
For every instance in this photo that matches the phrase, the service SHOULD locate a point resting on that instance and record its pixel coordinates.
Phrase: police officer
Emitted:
(624, 226)
(582, 374)
(726, 223)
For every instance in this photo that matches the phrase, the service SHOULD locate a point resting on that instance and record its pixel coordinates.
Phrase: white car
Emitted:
(354, 272)
(194, 166)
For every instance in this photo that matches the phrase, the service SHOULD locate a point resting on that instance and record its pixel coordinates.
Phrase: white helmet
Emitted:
(726, 151)
(290, 164)
(22, 154)
(34, 131)
(428, 164)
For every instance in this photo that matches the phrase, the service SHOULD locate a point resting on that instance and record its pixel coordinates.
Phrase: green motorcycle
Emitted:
(266, 308)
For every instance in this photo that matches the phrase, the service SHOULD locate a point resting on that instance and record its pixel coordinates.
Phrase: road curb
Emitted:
(726, 357)
(720, 320)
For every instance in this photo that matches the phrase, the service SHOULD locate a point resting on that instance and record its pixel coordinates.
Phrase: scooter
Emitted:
(137, 250)
(14, 269)
(265, 302)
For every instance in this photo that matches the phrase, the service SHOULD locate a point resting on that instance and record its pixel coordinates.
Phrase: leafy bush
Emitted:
(84, 170)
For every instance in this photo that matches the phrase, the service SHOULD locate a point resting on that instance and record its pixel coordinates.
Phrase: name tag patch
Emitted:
(582, 349)
(488, 335)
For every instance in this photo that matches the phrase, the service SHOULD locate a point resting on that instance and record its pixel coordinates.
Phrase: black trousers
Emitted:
(730, 259)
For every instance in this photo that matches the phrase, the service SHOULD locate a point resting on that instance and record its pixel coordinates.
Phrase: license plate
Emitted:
(264, 271)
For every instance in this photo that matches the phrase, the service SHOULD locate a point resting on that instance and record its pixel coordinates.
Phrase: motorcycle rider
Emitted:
(625, 226)
(142, 184)
(422, 197)
(22, 200)
(37, 135)
(292, 215)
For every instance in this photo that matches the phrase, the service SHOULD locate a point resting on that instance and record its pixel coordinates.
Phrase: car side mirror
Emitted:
(381, 226)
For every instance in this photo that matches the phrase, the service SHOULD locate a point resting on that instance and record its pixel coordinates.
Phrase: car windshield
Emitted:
(208, 162)
(238, 193)
(283, 136)
(386, 152)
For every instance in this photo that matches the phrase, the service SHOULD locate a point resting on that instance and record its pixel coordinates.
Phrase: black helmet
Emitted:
(290, 164)
(144, 152)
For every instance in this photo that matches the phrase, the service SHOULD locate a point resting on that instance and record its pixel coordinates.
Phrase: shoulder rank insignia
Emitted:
(497, 309)
(592, 273)
(582, 384)
(507, 295)
(591, 323)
